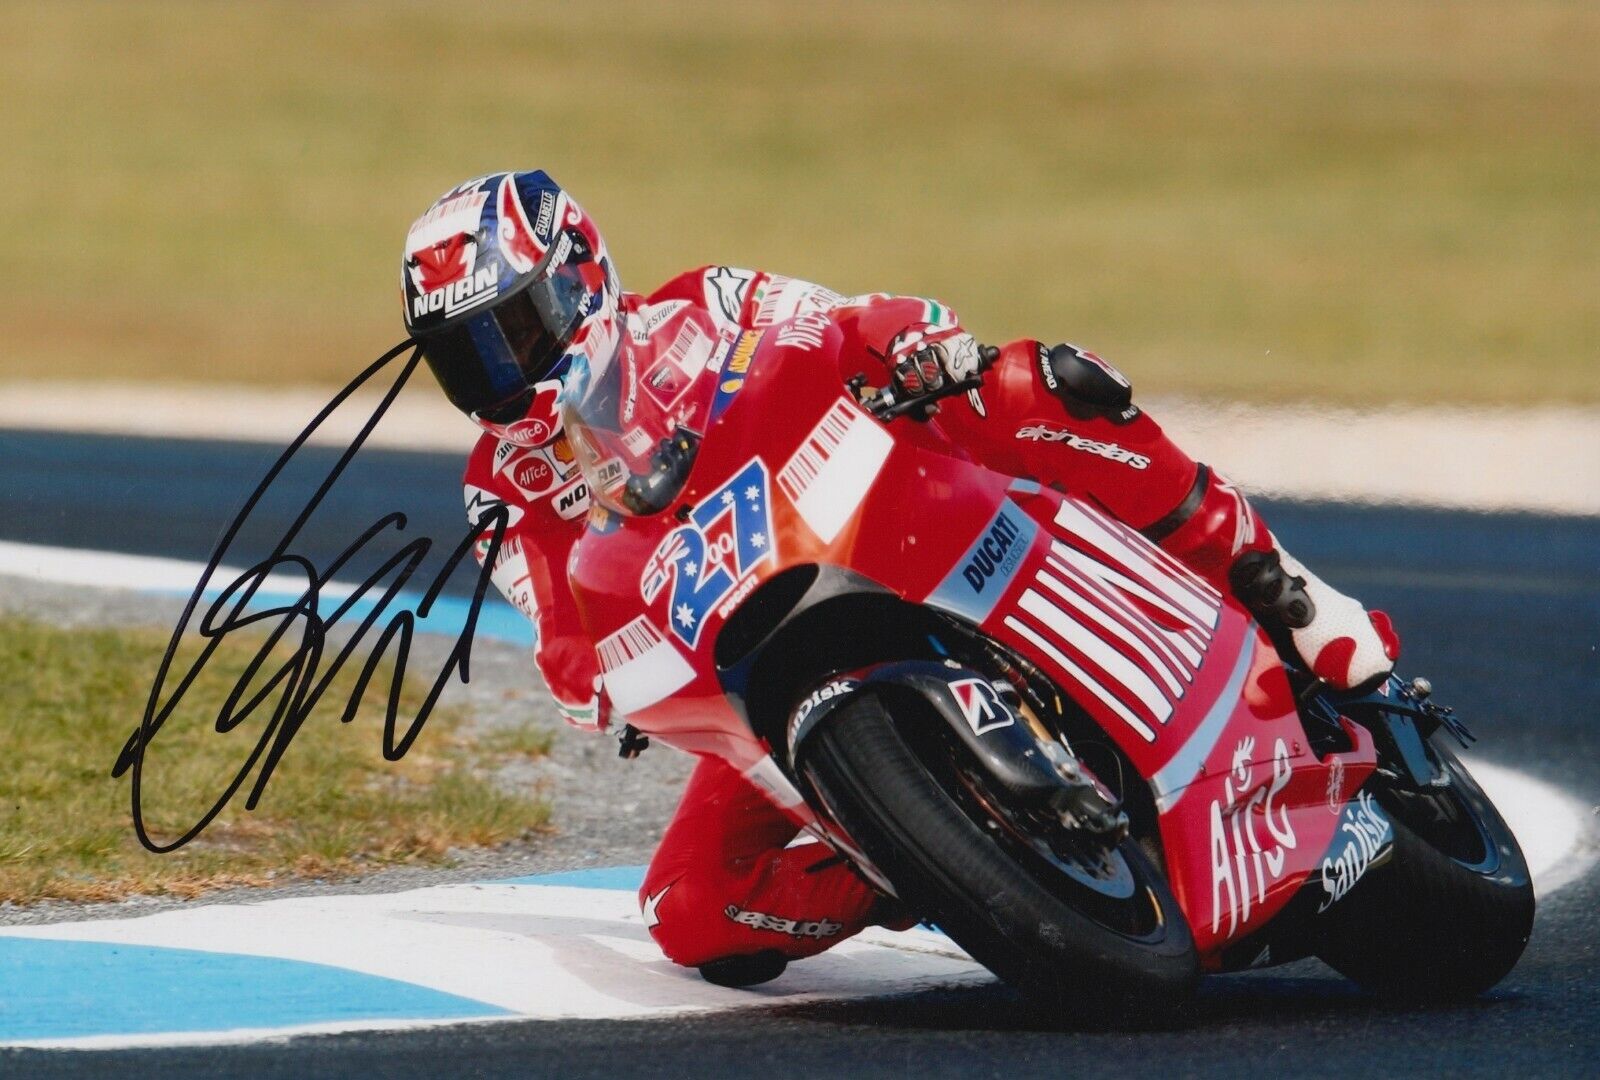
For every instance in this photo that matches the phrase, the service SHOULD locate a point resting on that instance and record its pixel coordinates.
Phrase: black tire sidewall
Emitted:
(950, 870)
(1425, 926)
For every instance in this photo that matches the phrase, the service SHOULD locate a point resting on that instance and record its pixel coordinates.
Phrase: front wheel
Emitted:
(1450, 913)
(1096, 937)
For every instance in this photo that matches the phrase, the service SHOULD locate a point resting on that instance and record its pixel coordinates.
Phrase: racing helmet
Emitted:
(506, 281)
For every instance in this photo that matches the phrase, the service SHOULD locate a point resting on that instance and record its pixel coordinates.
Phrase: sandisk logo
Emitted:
(996, 553)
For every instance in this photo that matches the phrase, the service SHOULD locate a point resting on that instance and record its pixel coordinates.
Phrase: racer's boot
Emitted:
(1218, 534)
(748, 969)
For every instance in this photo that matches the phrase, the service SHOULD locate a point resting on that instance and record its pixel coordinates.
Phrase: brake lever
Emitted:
(885, 406)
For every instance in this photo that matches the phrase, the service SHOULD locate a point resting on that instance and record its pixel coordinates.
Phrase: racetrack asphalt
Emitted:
(1502, 612)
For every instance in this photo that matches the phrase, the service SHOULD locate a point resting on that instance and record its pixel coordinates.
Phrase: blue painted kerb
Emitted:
(66, 989)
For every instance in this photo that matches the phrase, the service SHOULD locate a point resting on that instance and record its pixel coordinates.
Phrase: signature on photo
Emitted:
(293, 685)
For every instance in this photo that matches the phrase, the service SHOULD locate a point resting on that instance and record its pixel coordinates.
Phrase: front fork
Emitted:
(1402, 718)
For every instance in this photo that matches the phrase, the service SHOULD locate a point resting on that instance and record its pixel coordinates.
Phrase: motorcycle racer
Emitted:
(510, 291)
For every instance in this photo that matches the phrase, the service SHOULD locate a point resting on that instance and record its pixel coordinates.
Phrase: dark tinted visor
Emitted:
(488, 363)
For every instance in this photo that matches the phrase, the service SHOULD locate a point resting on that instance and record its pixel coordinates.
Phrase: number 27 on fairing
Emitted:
(728, 535)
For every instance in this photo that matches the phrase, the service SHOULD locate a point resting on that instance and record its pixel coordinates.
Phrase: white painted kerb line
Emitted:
(566, 952)
(150, 573)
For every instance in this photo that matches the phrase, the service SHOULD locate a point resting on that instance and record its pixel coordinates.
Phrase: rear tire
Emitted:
(1450, 913)
(1004, 914)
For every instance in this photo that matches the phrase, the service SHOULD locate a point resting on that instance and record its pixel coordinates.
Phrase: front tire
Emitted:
(1449, 915)
(1133, 963)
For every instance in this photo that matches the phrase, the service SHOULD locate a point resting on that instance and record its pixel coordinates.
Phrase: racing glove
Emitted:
(923, 357)
(592, 715)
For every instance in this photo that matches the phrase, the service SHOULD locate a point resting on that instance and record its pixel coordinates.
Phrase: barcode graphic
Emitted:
(628, 644)
(683, 343)
(826, 438)
(637, 440)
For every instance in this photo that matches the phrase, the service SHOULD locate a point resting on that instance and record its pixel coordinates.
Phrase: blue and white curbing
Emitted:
(553, 947)
(564, 946)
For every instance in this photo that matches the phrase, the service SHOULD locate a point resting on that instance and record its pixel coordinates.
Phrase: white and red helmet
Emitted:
(506, 280)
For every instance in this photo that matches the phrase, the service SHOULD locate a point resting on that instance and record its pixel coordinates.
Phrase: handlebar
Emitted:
(886, 405)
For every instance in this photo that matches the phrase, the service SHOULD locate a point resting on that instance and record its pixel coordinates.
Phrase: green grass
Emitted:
(1362, 201)
(334, 805)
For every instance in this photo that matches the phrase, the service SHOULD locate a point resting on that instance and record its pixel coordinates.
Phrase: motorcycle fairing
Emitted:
(1179, 677)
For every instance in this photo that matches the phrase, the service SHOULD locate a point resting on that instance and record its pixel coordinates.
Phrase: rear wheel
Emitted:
(1094, 933)
(1449, 914)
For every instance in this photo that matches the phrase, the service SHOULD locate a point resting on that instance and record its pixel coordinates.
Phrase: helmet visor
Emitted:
(488, 363)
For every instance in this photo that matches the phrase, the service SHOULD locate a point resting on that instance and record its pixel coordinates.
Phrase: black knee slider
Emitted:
(746, 969)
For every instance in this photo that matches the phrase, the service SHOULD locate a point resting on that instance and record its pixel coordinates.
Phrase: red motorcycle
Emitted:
(1031, 725)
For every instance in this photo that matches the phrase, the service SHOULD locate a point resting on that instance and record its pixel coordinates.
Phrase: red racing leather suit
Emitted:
(722, 882)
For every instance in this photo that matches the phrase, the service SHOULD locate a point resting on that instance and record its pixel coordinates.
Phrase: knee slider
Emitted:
(746, 969)
(1088, 385)
(1271, 593)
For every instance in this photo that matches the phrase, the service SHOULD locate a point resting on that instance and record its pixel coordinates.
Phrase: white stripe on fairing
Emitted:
(656, 673)
(770, 779)
(1082, 678)
(1105, 577)
(830, 499)
(1139, 621)
(1161, 555)
(1114, 626)
(1116, 666)
(1074, 518)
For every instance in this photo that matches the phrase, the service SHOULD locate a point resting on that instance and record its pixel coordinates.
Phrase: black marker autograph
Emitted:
(299, 681)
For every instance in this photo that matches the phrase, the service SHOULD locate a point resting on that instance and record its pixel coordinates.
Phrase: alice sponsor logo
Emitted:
(1366, 831)
(1244, 862)
(803, 331)
(534, 474)
(1109, 451)
(997, 553)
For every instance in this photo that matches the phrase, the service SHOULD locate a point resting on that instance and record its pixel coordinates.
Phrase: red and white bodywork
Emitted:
(792, 471)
